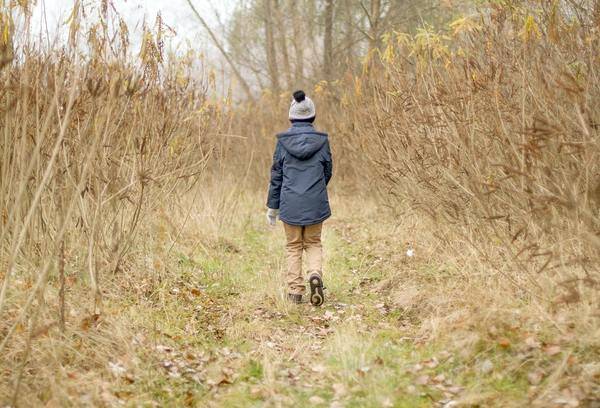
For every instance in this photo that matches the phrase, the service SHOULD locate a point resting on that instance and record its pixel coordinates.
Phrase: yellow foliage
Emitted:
(388, 53)
(5, 32)
(357, 86)
(345, 100)
(464, 24)
(429, 45)
(403, 39)
(320, 87)
(530, 30)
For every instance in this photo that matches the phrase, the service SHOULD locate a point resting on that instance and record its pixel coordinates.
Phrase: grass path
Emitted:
(203, 322)
(221, 333)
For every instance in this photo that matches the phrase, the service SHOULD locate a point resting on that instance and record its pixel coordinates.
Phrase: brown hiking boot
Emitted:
(294, 298)
(316, 289)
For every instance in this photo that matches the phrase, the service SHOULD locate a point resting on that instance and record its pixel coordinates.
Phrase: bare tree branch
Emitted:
(225, 54)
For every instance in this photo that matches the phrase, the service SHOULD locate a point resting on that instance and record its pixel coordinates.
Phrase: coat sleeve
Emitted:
(327, 163)
(276, 179)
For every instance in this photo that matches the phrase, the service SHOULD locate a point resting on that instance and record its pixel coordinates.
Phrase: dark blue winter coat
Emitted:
(301, 170)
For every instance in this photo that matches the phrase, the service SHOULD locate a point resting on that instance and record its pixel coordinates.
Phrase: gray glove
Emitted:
(272, 216)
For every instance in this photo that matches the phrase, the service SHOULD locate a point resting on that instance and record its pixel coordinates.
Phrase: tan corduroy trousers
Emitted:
(300, 239)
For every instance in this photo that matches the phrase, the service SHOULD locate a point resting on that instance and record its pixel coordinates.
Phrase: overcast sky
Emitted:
(175, 13)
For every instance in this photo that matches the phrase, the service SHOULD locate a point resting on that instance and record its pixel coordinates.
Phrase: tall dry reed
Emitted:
(91, 145)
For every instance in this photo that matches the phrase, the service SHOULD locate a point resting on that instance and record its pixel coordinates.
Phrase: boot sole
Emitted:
(316, 291)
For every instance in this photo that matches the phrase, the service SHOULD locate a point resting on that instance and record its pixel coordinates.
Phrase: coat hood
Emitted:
(302, 141)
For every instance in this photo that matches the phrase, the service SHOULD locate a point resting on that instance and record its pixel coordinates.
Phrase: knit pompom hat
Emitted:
(302, 107)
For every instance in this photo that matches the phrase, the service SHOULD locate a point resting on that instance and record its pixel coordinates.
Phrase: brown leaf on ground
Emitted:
(552, 349)
(504, 342)
(535, 377)
(89, 322)
(43, 330)
(422, 380)
(316, 400)
(440, 378)
(362, 371)
(532, 343)
(319, 368)
(339, 390)
(431, 363)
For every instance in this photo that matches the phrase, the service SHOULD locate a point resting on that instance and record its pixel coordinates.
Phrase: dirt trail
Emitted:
(254, 348)
(395, 331)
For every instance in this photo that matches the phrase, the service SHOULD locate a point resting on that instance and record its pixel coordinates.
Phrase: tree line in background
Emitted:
(284, 44)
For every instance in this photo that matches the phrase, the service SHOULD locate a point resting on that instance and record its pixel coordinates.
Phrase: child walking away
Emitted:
(301, 170)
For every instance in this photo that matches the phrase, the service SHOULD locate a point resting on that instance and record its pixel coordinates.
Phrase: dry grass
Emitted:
(136, 268)
(493, 135)
(90, 148)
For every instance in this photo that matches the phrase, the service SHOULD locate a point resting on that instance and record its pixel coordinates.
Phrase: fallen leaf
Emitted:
(504, 342)
(439, 378)
(89, 321)
(315, 399)
(219, 381)
(486, 367)
(454, 389)
(121, 394)
(339, 390)
(532, 343)
(319, 368)
(567, 401)
(535, 377)
(431, 363)
(164, 349)
(362, 371)
(552, 349)
(43, 330)
(257, 392)
(174, 374)
(422, 380)
(387, 402)
(117, 369)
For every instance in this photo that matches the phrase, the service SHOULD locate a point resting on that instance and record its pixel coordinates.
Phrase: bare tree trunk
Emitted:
(270, 46)
(328, 41)
(348, 35)
(298, 45)
(374, 20)
(281, 28)
(217, 43)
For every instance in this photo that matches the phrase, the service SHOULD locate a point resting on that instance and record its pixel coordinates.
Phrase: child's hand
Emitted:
(272, 216)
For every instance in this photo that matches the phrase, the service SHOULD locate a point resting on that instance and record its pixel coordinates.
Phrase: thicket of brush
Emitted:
(91, 145)
(493, 134)
(491, 131)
